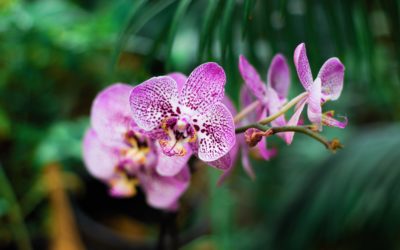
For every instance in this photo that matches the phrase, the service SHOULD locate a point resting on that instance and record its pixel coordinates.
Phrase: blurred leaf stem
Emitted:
(21, 234)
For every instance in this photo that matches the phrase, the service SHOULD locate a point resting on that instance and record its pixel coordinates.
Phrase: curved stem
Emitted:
(307, 130)
(242, 114)
(304, 130)
(253, 125)
(284, 109)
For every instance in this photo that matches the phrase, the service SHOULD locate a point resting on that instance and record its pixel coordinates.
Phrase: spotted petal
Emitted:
(217, 133)
(279, 76)
(111, 116)
(331, 75)
(203, 88)
(302, 66)
(246, 98)
(99, 158)
(171, 165)
(226, 162)
(251, 78)
(233, 155)
(163, 192)
(153, 100)
(274, 105)
(294, 120)
(179, 78)
(314, 110)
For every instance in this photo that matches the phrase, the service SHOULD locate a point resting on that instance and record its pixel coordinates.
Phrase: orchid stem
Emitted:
(284, 109)
(246, 111)
(307, 130)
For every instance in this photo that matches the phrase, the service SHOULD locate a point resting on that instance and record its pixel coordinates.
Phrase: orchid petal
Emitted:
(111, 116)
(163, 192)
(229, 104)
(251, 78)
(179, 78)
(328, 120)
(274, 105)
(228, 170)
(314, 110)
(223, 163)
(264, 152)
(217, 133)
(302, 66)
(246, 98)
(245, 160)
(226, 161)
(153, 100)
(171, 165)
(246, 163)
(203, 88)
(331, 75)
(294, 120)
(99, 158)
(279, 76)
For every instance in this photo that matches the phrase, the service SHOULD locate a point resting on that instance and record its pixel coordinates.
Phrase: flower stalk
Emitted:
(246, 111)
(284, 109)
(307, 130)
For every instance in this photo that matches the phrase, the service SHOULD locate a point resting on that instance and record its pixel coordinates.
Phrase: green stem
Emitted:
(15, 213)
(253, 125)
(331, 145)
(284, 109)
(246, 111)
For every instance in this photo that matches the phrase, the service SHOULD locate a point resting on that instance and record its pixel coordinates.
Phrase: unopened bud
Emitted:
(253, 136)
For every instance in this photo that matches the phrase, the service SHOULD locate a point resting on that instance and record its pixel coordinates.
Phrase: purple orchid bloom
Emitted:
(327, 86)
(226, 162)
(117, 152)
(186, 117)
(271, 96)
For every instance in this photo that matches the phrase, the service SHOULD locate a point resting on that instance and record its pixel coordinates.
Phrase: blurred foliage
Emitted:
(57, 54)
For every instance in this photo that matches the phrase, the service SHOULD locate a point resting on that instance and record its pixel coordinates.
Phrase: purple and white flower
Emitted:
(119, 153)
(271, 96)
(327, 86)
(186, 120)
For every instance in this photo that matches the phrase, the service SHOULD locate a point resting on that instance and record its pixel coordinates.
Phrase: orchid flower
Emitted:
(120, 154)
(271, 96)
(186, 120)
(225, 162)
(327, 86)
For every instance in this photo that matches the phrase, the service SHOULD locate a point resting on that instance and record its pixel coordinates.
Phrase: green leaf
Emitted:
(210, 23)
(247, 16)
(179, 14)
(136, 22)
(226, 34)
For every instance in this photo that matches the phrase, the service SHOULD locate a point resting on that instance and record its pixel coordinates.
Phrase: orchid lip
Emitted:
(123, 184)
(179, 131)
